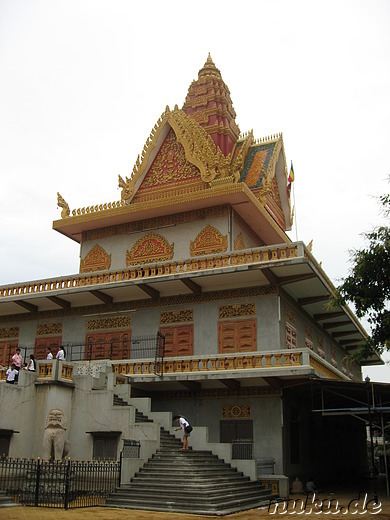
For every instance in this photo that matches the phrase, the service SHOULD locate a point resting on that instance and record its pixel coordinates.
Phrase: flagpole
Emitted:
(295, 215)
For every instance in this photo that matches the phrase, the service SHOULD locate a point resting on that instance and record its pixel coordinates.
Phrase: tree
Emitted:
(368, 284)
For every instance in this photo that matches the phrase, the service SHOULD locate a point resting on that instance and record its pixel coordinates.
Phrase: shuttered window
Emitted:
(237, 336)
(179, 340)
(108, 345)
(41, 343)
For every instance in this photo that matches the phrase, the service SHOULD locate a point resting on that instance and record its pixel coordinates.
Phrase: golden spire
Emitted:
(209, 69)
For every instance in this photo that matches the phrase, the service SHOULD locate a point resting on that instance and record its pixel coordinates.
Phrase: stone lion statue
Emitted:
(55, 444)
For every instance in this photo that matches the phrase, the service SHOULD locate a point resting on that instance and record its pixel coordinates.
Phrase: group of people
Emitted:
(17, 364)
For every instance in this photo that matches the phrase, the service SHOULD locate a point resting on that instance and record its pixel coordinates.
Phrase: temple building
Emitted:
(191, 298)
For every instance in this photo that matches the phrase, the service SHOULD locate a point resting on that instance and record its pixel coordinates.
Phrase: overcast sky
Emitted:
(82, 83)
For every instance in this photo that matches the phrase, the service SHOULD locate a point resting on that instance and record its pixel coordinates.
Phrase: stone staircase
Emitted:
(196, 482)
(6, 501)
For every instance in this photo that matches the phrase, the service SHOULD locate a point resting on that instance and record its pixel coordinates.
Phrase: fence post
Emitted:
(67, 475)
(120, 468)
(36, 501)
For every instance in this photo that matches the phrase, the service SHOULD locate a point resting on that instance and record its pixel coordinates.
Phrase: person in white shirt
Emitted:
(11, 375)
(61, 354)
(49, 354)
(185, 426)
(31, 364)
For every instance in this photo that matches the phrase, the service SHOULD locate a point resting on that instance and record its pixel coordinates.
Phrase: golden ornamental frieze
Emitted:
(236, 411)
(237, 310)
(149, 249)
(317, 365)
(209, 241)
(112, 323)
(181, 316)
(49, 329)
(9, 333)
(97, 259)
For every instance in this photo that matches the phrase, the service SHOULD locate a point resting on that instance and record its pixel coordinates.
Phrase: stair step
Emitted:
(210, 486)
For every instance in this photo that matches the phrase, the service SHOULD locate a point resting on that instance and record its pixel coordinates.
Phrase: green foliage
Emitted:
(368, 284)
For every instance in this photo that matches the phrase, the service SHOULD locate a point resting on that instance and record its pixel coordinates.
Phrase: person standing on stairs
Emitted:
(185, 426)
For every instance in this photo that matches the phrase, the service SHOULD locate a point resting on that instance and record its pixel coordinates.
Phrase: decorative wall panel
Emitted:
(116, 322)
(149, 249)
(47, 329)
(208, 242)
(236, 411)
(96, 259)
(10, 332)
(182, 316)
(237, 310)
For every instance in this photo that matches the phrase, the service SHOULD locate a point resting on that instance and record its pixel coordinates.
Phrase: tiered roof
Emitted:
(195, 158)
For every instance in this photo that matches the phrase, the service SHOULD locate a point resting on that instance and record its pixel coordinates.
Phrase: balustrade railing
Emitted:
(249, 256)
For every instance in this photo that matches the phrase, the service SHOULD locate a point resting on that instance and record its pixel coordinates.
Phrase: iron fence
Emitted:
(140, 347)
(69, 484)
(242, 449)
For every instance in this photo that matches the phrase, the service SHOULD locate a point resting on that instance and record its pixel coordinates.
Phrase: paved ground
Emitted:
(357, 509)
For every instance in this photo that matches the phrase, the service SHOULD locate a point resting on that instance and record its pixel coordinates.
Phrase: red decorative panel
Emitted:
(7, 350)
(42, 343)
(179, 340)
(108, 345)
(237, 336)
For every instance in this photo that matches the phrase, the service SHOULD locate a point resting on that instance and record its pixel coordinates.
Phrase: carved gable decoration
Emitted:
(95, 260)
(208, 242)
(169, 168)
(149, 249)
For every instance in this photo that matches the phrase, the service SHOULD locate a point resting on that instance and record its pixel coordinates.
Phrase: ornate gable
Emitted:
(208, 242)
(95, 260)
(149, 249)
(170, 169)
(175, 128)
